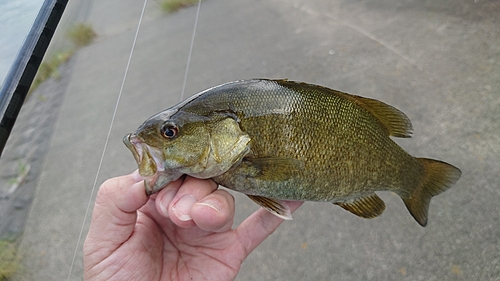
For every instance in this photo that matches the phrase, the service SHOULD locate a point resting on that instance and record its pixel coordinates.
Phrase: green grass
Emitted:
(9, 259)
(22, 172)
(49, 68)
(79, 35)
(170, 6)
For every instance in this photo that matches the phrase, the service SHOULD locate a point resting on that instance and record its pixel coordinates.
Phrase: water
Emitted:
(16, 18)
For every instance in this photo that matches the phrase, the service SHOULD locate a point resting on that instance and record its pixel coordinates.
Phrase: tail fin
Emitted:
(438, 177)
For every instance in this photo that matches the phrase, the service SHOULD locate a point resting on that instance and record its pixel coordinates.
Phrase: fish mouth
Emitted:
(150, 166)
(130, 141)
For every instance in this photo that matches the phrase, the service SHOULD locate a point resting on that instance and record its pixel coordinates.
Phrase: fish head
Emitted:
(173, 143)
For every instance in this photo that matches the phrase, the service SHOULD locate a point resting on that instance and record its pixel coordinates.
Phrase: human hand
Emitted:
(182, 233)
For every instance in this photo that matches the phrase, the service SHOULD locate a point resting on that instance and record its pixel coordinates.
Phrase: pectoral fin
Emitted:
(366, 207)
(272, 169)
(276, 207)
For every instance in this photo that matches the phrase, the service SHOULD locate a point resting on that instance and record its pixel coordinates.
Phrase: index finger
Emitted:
(258, 226)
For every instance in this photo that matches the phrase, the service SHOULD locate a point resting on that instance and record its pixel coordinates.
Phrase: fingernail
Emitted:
(165, 201)
(214, 204)
(182, 208)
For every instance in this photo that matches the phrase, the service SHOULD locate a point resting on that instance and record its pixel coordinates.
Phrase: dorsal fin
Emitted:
(395, 121)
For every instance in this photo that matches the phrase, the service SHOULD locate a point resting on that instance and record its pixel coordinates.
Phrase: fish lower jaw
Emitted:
(158, 181)
(149, 184)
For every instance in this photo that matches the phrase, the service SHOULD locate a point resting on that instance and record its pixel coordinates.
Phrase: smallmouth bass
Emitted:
(279, 140)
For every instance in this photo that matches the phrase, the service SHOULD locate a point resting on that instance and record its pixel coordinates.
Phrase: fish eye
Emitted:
(169, 130)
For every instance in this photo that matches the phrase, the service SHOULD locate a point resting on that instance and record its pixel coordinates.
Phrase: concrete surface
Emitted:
(436, 61)
(22, 161)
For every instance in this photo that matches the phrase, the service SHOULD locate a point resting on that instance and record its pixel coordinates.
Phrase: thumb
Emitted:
(114, 215)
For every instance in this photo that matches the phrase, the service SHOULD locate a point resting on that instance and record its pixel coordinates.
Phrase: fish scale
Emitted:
(278, 140)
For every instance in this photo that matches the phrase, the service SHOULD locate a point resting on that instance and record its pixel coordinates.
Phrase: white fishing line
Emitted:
(107, 138)
(190, 49)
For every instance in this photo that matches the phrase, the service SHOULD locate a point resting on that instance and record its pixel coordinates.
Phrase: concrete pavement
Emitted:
(437, 62)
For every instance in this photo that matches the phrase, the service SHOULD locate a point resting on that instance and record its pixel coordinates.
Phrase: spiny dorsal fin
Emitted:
(274, 206)
(395, 121)
(366, 207)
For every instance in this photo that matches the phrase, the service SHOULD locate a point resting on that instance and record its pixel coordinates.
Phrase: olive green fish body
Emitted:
(280, 140)
(344, 150)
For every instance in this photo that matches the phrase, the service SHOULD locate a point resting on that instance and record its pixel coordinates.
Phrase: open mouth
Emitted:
(148, 167)
(131, 142)
(151, 164)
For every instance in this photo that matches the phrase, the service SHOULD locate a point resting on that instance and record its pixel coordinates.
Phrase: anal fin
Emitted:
(366, 207)
(274, 206)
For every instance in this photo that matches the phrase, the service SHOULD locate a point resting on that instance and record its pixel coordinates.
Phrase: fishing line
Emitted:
(190, 49)
(107, 137)
(116, 109)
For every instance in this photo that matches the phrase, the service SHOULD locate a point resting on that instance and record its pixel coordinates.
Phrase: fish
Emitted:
(279, 140)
